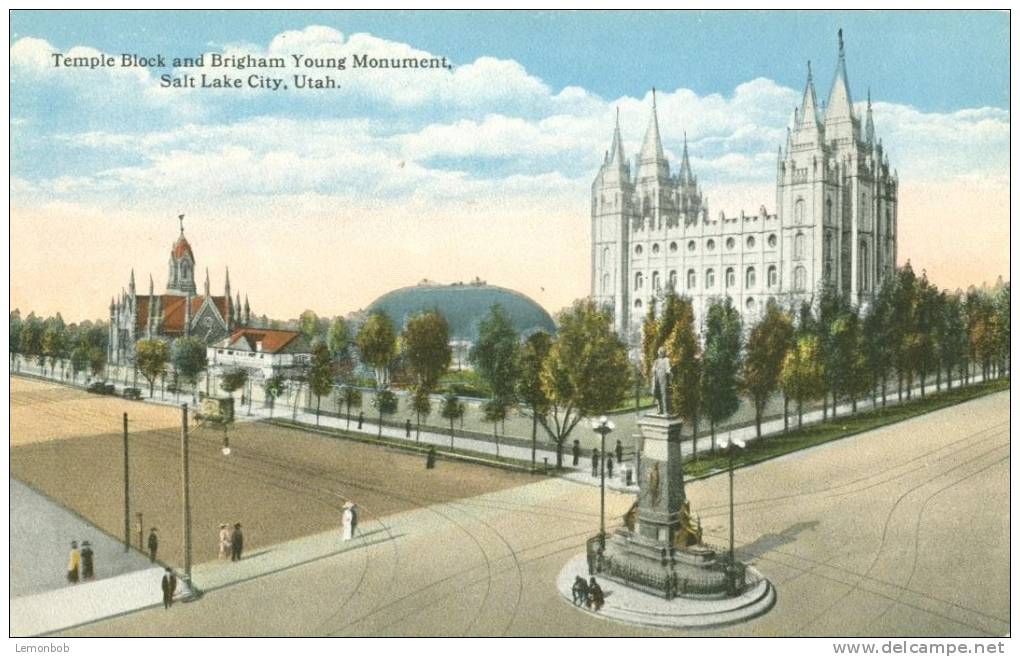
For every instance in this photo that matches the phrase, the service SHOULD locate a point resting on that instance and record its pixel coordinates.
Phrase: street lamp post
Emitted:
(602, 426)
(731, 448)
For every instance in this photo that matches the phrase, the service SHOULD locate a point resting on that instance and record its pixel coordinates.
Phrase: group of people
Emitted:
(349, 520)
(588, 594)
(81, 564)
(595, 458)
(231, 541)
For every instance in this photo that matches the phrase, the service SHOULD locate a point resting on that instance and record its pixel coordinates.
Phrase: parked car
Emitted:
(132, 393)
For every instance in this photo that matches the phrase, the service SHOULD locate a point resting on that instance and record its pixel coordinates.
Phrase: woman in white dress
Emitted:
(224, 542)
(348, 521)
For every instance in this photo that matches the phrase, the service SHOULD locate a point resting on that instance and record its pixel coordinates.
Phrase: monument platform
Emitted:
(634, 607)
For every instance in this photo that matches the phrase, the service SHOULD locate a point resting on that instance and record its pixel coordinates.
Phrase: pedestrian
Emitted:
(350, 520)
(153, 545)
(595, 462)
(407, 428)
(580, 592)
(224, 541)
(361, 418)
(619, 452)
(88, 571)
(236, 543)
(577, 452)
(73, 563)
(169, 586)
(430, 459)
(609, 466)
(595, 596)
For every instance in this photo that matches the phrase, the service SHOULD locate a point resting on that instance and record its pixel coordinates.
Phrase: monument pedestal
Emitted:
(647, 557)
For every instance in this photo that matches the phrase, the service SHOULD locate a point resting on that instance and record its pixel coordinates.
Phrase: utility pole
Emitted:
(127, 499)
(186, 483)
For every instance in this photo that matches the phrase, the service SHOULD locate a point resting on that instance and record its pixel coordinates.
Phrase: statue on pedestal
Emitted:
(662, 379)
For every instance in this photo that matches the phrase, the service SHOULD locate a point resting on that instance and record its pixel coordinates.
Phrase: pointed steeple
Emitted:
(839, 107)
(131, 285)
(616, 150)
(247, 311)
(616, 169)
(869, 124)
(652, 161)
(809, 104)
(686, 175)
(206, 281)
(152, 287)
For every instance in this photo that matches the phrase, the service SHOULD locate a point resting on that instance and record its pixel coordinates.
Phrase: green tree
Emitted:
(802, 377)
(649, 340)
(274, 387)
(320, 375)
(385, 402)
(495, 410)
(767, 345)
(878, 336)
(426, 350)
(494, 355)
(14, 336)
(188, 356)
(350, 396)
(952, 341)
(530, 361)
(312, 327)
(586, 373)
(452, 410)
(903, 328)
(339, 340)
(721, 363)
(377, 343)
(151, 358)
(422, 407)
(32, 337)
(1001, 303)
(54, 344)
(233, 380)
(684, 352)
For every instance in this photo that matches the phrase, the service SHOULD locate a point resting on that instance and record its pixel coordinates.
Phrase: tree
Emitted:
(802, 377)
(32, 336)
(902, 327)
(188, 356)
(952, 339)
(350, 396)
(877, 334)
(339, 340)
(274, 387)
(426, 347)
(494, 355)
(320, 375)
(684, 353)
(495, 411)
(54, 344)
(530, 361)
(422, 407)
(452, 410)
(767, 345)
(385, 402)
(586, 372)
(233, 379)
(311, 326)
(1001, 303)
(649, 341)
(721, 363)
(151, 358)
(14, 336)
(377, 343)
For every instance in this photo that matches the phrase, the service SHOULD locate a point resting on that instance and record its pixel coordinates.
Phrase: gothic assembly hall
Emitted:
(178, 312)
(834, 225)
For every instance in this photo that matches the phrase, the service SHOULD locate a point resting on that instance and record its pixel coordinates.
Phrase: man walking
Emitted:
(619, 452)
(153, 545)
(595, 462)
(87, 564)
(577, 452)
(407, 429)
(361, 419)
(236, 543)
(169, 588)
(73, 563)
(609, 466)
(430, 458)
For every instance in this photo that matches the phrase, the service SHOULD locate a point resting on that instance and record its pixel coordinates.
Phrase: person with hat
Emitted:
(224, 540)
(236, 543)
(153, 545)
(169, 586)
(350, 520)
(73, 563)
(87, 563)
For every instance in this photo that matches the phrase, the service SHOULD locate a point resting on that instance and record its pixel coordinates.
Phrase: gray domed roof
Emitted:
(464, 306)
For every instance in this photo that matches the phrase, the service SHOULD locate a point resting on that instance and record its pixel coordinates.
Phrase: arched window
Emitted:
(862, 267)
(709, 279)
(639, 249)
(605, 284)
(639, 281)
(798, 246)
(798, 211)
(828, 211)
(750, 304)
(773, 276)
(799, 279)
(730, 243)
(692, 279)
(672, 280)
(750, 242)
(605, 257)
(731, 277)
(637, 303)
(710, 245)
(656, 283)
(750, 279)
(772, 241)
(691, 246)
(672, 247)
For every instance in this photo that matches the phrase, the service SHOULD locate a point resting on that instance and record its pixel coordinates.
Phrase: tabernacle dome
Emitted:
(464, 305)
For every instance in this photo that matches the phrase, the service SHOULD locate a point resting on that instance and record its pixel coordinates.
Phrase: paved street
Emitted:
(899, 531)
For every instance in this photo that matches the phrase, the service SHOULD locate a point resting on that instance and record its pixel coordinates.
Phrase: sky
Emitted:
(326, 199)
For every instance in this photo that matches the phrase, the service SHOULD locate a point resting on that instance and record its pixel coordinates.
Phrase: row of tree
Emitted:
(51, 342)
(830, 351)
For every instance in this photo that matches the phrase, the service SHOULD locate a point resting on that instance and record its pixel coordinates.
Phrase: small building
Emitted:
(263, 352)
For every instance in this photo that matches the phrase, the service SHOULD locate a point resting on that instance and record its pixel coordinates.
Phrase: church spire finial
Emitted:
(840, 36)
(180, 218)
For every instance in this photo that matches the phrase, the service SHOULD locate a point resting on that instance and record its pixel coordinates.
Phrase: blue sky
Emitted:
(495, 156)
(933, 60)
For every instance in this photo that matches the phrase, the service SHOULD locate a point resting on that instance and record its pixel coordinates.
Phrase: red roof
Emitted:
(272, 340)
(173, 307)
(181, 247)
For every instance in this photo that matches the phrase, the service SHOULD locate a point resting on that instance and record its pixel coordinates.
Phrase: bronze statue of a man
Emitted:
(662, 379)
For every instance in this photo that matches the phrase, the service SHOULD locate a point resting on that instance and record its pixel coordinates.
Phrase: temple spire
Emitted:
(809, 104)
(869, 123)
(206, 281)
(839, 107)
(686, 175)
(652, 160)
(180, 218)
